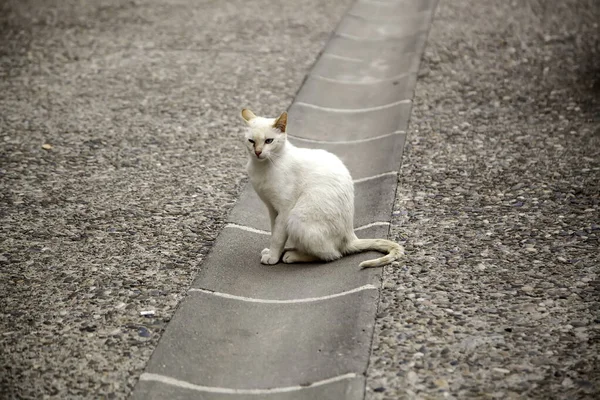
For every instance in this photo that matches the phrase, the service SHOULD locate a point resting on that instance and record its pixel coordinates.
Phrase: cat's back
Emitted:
(325, 190)
(322, 163)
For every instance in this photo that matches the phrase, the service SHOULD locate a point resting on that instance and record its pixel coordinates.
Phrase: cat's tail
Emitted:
(394, 251)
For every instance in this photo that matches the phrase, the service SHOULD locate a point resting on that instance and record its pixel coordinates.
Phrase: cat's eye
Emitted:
(268, 141)
(251, 141)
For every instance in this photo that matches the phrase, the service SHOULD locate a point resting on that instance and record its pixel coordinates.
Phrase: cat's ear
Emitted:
(281, 122)
(248, 115)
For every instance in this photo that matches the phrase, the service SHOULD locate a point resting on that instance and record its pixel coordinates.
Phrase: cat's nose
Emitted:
(257, 152)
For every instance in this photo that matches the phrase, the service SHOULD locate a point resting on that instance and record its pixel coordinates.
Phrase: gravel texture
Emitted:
(119, 159)
(498, 204)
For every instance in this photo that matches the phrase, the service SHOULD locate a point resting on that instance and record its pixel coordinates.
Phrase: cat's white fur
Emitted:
(310, 197)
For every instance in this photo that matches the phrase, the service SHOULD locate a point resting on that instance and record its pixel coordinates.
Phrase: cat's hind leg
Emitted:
(313, 242)
(295, 256)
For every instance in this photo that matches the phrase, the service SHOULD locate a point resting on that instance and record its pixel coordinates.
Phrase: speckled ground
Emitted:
(119, 159)
(498, 203)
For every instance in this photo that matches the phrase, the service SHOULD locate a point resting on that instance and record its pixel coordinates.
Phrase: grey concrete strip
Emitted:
(395, 27)
(246, 276)
(381, 9)
(298, 330)
(352, 154)
(329, 93)
(373, 199)
(323, 124)
(376, 49)
(356, 70)
(347, 389)
(233, 344)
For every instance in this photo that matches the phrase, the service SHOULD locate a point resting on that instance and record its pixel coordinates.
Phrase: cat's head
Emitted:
(265, 137)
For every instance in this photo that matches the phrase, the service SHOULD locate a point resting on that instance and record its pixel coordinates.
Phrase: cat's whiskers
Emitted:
(271, 157)
(272, 162)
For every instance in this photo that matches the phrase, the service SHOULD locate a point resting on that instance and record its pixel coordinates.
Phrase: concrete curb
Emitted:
(304, 331)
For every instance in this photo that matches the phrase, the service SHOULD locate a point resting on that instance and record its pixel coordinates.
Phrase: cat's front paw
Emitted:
(267, 259)
(265, 251)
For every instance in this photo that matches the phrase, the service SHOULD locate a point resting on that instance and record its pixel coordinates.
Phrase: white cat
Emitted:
(310, 197)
